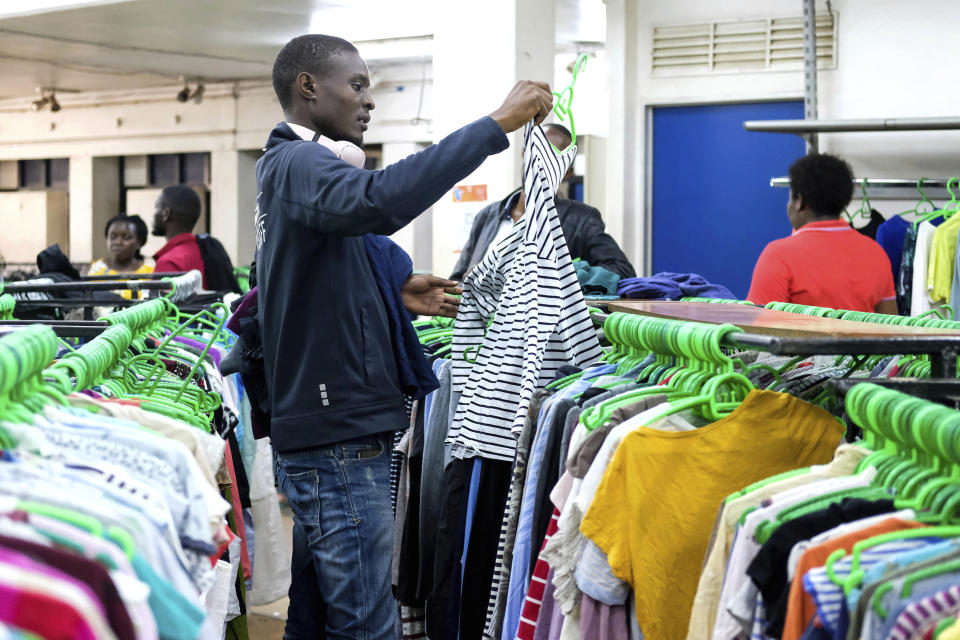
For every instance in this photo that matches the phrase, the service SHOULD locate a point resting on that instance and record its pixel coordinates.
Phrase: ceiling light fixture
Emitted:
(197, 95)
(54, 105)
(184, 94)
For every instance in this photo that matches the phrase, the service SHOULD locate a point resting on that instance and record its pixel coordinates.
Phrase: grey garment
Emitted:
(595, 400)
(403, 499)
(612, 392)
(573, 419)
(743, 606)
(895, 603)
(496, 608)
(435, 458)
(877, 370)
(865, 623)
(581, 459)
(635, 632)
(746, 357)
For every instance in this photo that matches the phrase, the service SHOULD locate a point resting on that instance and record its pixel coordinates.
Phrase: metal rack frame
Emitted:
(942, 349)
(87, 302)
(96, 285)
(156, 275)
(804, 127)
(889, 187)
(943, 391)
(63, 328)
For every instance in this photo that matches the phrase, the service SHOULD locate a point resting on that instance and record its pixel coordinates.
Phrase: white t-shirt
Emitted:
(920, 298)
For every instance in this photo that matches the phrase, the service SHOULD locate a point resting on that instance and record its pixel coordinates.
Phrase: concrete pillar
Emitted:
(233, 197)
(506, 41)
(94, 198)
(406, 237)
(625, 166)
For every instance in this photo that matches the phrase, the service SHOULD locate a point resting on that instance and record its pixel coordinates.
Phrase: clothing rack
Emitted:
(943, 391)
(801, 127)
(182, 287)
(156, 275)
(942, 349)
(63, 328)
(905, 188)
(85, 286)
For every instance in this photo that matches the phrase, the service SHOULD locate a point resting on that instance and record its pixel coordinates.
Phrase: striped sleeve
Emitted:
(522, 317)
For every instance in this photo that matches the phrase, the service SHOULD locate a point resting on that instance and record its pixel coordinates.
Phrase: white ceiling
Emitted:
(92, 45)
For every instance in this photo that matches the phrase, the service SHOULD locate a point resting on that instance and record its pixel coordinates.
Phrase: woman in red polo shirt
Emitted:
(825, 262)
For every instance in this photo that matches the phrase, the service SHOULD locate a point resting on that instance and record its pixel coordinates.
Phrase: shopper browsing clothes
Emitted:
(825, 262)
(329, 359)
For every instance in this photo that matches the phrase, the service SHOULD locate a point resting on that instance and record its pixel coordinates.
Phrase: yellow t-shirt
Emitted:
(655, 507)
(940, 265)
(100, 268)
(951, 633)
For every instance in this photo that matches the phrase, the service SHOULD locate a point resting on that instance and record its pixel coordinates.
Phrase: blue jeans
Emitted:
(340, 497)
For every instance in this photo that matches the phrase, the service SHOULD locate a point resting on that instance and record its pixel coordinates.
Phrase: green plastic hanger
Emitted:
(563, 107)
(90, 524)
(942, 626)
(855, 579)
(786, 475)
(948, 209)
(766, 528)
(924, 574)
(698, 361)
(865, 209)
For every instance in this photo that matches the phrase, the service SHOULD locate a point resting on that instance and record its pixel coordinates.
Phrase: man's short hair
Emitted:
(824, 181)
(559, 128)
(183, 202)
(311, 53)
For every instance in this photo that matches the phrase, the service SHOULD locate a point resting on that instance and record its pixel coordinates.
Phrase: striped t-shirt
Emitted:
(527, 290)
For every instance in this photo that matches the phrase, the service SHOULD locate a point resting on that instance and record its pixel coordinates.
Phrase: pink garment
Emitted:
(602, 622)
(39, 613)
(545, 620)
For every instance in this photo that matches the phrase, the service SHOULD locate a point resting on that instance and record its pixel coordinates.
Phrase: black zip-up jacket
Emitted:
(329, 361)
(582, 226)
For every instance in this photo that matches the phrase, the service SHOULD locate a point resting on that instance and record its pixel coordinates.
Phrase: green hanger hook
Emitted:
(563, 108)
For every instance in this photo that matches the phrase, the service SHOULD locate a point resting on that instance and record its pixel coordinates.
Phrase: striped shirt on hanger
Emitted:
(527, 290)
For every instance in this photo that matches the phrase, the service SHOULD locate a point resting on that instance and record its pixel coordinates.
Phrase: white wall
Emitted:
(893, 61)
(231, 123)
(474, 74)
(32, 221)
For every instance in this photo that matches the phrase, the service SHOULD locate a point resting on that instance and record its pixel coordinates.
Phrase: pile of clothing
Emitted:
(672, 286)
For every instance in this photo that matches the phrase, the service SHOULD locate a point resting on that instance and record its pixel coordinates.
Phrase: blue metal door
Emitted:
(713, 207)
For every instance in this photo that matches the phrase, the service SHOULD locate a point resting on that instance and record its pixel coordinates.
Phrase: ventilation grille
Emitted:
(772, 44)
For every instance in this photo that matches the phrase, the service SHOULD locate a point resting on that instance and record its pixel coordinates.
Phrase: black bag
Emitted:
(217, 267)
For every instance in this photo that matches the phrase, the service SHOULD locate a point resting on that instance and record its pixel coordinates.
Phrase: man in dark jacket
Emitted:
(330, 366)
(582, 226)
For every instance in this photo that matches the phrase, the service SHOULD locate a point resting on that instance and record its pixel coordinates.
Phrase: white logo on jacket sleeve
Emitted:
(323, 395)
(260, 218)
